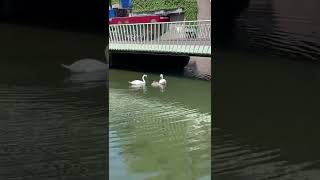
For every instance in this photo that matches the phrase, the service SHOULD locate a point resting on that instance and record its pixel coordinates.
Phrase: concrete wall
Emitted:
(204, 9)
(177, 17)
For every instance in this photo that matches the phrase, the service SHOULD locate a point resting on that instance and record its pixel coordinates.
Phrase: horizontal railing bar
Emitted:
(184, 37)
(174, 22)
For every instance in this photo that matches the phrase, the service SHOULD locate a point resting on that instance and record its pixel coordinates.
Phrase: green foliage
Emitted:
(189, 6)
(114, 1)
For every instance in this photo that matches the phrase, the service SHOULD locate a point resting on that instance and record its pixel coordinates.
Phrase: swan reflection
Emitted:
(138, 87)
(156, 84)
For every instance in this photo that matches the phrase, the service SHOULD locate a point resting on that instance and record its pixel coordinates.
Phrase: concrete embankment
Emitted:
(199, 67)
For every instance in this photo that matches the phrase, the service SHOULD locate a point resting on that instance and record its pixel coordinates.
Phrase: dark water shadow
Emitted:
(267, 104)
(50, 128)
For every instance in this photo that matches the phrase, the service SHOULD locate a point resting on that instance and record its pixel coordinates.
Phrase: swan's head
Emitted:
(144, 76)
(161, 76)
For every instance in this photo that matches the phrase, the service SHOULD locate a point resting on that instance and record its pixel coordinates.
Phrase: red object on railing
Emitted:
(138, 19)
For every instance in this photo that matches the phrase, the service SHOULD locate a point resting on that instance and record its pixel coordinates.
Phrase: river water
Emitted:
(289, 28)
(53, 125)
(266, 85)
(157, 133)
(266, 117)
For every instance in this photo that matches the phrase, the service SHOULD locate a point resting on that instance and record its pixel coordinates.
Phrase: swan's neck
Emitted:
(143, 79)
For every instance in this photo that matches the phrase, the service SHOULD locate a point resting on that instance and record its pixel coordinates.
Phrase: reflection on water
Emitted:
(272, 132)
(49, 131)
(286, 27)
(154, 135)
(267, 107)
(52, 123)
(234, 159)
(158, 85)
(91, 77)
(138, 87)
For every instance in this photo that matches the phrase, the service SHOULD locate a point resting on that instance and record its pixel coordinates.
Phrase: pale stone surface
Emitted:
(199, 67)
(204, 9)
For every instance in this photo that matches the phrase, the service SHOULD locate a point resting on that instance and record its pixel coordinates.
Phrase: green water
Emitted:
(159, 134)
(52, 123)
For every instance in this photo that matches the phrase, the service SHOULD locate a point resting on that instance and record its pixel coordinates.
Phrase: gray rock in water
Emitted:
(86, 65)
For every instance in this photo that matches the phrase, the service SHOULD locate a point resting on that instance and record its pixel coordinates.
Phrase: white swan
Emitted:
(139, 82)
(155, 84)
(158, 85)
(162, 81)
(86, 65)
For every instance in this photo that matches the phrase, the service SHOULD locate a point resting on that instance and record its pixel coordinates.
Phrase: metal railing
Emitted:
(181, 37)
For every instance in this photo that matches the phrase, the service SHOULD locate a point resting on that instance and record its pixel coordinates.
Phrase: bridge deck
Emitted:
(175, 37)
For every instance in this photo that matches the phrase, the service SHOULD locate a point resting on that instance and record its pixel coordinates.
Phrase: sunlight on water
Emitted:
(153, 137)
(233, 158)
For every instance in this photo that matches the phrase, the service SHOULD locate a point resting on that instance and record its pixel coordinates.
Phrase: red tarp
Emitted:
(138, 19)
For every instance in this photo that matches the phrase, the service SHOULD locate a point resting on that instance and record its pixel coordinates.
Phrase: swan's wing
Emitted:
(162, 81)
(136, 82)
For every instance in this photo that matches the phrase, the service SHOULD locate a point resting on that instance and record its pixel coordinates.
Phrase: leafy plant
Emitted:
(114, 1)
(189, 6)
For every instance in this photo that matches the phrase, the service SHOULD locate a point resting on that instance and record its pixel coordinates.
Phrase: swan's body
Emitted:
(86, 65)
(139, 82)
(155, 84)
(158, 85)
(162, 81)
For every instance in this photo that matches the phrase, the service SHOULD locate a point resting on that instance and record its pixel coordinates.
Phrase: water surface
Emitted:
(266, 117)
(267, 94)
(288, 27)
(52, 124)
(159, 133)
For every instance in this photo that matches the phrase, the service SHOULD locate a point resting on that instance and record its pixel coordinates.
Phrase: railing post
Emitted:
(183, 37)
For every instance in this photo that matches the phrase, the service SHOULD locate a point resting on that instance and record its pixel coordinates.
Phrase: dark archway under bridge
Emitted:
(148, 62)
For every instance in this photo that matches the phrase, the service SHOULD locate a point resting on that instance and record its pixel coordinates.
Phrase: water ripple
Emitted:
(159, 136)
(234, 159)
(52, 132)
(270, 27)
